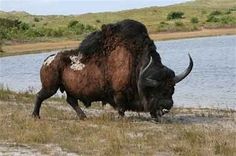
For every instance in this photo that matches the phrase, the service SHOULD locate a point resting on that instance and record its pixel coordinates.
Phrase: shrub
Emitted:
(232, 9)
(89, 28)
(227, 20)
(57, 33)
(215, 13)
(163, 24)
(24, 26)
(4, 33)
(8, 23)
(212, 19)
(179, 24)
(194, 20)
(72, 24)
(36, 19)
(175, 15)
(228, 12)
(35, 32)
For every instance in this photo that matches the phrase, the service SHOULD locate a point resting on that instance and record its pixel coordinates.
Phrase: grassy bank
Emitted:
(21, 32)
(27, 48)
(182, 132)
(186, 17)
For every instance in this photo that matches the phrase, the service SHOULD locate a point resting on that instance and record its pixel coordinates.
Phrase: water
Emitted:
(212, 83)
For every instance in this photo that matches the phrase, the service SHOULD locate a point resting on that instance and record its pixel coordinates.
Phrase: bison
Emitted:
(118, 65)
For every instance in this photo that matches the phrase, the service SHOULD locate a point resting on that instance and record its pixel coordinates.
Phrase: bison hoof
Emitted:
(36, 116)
(121, 113)
(82, 117)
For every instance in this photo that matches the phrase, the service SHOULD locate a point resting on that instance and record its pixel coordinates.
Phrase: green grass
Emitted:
(152, 17)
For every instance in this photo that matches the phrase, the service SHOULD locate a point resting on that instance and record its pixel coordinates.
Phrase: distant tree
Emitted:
(175, 15)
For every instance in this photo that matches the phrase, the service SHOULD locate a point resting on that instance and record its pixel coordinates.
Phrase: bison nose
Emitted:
(166, 103)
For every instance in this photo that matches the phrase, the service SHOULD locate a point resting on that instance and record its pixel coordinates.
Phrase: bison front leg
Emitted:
(74, 104)
(157, 114)
(119, 101)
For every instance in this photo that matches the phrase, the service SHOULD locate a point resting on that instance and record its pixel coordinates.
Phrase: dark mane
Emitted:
(91, 44)
(132, 34)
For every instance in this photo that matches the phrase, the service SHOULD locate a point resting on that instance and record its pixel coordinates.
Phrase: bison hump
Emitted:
(129, 33)
(91, 44)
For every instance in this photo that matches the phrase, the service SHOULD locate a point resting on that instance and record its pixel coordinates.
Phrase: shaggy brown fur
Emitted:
(112, 58)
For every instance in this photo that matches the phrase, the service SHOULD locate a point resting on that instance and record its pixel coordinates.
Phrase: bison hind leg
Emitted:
(42, 95)
(74, 104)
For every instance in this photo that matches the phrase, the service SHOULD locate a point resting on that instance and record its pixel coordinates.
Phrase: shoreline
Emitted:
(29, 48)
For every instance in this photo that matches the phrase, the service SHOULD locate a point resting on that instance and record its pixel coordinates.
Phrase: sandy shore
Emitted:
(47, 46)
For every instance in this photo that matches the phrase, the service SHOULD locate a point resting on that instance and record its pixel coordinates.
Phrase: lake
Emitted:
(212, 83)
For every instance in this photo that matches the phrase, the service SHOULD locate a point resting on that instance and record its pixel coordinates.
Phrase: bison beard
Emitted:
(118, 65)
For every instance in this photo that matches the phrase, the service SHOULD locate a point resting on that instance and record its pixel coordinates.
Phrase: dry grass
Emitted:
(47, 46)
(182, 132)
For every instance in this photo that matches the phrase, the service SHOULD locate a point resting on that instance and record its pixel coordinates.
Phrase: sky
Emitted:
(75, 7)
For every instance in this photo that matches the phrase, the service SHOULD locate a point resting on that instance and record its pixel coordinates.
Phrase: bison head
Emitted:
(156, 86)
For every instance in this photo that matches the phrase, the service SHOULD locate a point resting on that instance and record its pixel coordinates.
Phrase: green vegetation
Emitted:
(18, 30)
(184, 131)
(175, 15)
(194, 20)
(218, 18)
(190, 16)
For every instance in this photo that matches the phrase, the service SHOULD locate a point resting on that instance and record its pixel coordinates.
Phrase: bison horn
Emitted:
(150, 62)
(181, 76)
(144, 79)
